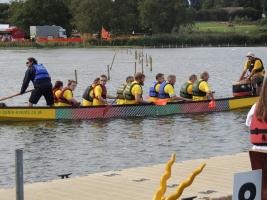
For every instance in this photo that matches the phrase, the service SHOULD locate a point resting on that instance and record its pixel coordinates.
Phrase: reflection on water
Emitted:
(82, 147)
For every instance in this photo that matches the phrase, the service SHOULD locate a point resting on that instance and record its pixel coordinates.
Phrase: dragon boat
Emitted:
(122, 111)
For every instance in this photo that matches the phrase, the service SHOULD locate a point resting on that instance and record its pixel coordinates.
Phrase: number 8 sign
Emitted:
(247, 185)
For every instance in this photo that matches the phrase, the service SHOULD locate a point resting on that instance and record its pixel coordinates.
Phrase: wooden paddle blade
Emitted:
(161, 102)
(212, 104)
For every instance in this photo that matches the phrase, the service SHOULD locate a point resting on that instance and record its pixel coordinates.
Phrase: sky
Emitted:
(4, 1)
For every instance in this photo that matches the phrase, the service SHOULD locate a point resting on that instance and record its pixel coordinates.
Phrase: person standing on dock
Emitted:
(120, 96)
(66, 98)
(186, 90)
(133, 92)
(88, 95)
(100, 95)
(57, 89)
(154, 89)
(201, 90)
(166, 90)
(41, 80)
(257, 121)
(255, 72)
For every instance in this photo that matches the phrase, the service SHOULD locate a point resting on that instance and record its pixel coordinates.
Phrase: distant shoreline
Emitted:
(183, 40)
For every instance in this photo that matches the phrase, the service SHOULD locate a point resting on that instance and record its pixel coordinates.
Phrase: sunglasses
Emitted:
(103, 80)
(27, 62)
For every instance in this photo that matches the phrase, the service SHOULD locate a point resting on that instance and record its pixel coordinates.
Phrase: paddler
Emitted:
(133, 92)
(100, 95)
(186, 90)
(154, 89)
(201, 89)
(257, 121)
(120, 96)
(57, 91)
(255, 72)
(66, 98)
(88, 96)
(41, 80)
(166, 90)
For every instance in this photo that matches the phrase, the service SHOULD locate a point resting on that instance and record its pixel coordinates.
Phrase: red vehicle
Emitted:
(11, 34)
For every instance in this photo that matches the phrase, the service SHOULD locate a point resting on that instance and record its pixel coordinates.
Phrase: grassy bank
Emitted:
(226, 27)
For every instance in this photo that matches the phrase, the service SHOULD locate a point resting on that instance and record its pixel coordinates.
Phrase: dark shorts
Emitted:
(37, 93)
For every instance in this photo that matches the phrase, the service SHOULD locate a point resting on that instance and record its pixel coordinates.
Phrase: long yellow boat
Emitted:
(122, 111)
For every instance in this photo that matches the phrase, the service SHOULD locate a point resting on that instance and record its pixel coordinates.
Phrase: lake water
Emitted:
(83, 147)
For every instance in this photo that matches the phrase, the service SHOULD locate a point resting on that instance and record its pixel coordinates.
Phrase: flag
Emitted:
(105, 34)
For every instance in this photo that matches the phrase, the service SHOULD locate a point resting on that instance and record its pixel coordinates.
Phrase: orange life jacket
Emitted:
(104, 91)
(62, 99)
(258, 131)
(56, 99)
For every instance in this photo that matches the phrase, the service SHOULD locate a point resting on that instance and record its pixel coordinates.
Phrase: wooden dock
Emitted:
(215, 182)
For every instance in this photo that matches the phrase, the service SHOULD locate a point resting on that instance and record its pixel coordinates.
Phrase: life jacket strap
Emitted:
(258, 131)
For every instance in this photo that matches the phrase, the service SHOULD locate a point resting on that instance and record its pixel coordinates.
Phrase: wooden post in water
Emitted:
(139, 57)
(151, 63)
(108, 69)
(142, 63)
(135, 55)
(135, 68)
(19, 174)
(76, 75)
(146, 60)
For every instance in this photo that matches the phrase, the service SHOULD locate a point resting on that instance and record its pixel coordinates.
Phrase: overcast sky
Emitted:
(4, 1)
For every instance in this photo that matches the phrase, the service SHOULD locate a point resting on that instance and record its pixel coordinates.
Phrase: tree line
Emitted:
(124, 16)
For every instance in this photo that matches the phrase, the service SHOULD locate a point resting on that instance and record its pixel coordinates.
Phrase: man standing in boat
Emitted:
(40, 77)
(133, 92)
(186, 90)
(255, 72)
(166, 90)
(201, 90)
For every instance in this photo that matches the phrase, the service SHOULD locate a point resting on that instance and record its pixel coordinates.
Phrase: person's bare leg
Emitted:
(30, 104)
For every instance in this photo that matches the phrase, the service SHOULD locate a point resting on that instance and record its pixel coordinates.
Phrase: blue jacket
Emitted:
(162, 94)
(152, 90)
(40, 72)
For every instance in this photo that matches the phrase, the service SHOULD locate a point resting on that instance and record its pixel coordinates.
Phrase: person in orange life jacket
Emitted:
(255, 72)
(100, 95)
(57, 91)
(154, 89)
(41, 80)
(66, 97)
(166, 90)
(201, 89)
(88, 93)
(186, 90)
(257, 121)
(133, 92)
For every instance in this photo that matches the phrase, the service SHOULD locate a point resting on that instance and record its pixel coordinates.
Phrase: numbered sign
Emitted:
(247, 185)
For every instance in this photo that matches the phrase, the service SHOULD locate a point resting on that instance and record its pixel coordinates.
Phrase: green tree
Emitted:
(125, 16)
(91, 15)
(163, 16)
(4, 12)
(38, 12)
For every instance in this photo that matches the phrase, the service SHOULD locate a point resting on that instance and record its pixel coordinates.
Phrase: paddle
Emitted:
(14, 95)
(161, 102)
(212, 104)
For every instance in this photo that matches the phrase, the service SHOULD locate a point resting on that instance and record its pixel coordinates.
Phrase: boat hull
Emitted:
(121, 111)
